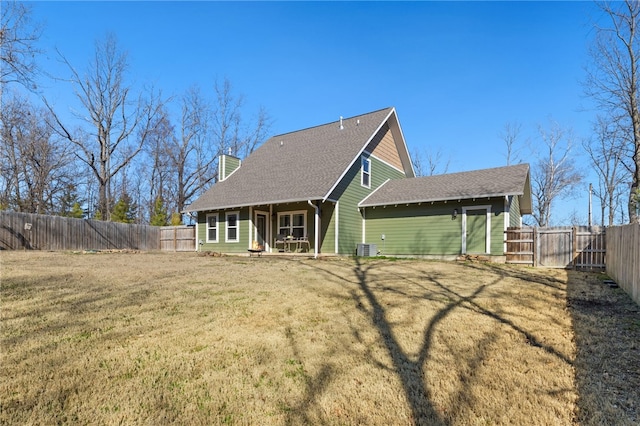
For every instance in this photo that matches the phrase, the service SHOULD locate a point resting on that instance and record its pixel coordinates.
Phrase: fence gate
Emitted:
(580, 247)
(178, 238)
(554, 248)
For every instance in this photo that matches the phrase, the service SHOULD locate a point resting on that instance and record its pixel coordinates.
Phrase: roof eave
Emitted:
(253, 204)
(435, 200)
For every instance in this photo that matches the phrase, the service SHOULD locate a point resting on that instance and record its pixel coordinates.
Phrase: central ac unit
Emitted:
(367, 250)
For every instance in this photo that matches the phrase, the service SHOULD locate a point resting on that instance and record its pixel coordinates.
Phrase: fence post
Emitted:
(574, 244)
(536, 247)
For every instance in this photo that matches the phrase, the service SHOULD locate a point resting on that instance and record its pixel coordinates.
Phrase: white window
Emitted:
(212, 228)
(293, 224)
(233, 225)
(366, 172)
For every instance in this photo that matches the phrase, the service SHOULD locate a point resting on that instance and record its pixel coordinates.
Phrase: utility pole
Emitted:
(590, 191)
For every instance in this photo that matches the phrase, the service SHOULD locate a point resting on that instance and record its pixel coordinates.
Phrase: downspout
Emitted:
(316, 236)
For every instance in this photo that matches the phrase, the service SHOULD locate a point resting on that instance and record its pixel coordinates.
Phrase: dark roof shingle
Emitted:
(296, 166)
(500, 181)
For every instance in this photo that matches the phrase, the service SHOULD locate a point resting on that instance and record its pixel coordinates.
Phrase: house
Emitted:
(349, 182)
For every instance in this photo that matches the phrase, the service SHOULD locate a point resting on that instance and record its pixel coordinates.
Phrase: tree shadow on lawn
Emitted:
(606, 325)
(421, 286)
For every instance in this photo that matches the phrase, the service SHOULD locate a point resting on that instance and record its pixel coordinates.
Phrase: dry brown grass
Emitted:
(159, 338)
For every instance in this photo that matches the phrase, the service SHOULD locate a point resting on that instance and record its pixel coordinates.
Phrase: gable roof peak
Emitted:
(301, 165)
(358, 119)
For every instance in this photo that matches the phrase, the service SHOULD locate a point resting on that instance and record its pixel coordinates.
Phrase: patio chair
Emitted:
(280, 239)
(302, 242)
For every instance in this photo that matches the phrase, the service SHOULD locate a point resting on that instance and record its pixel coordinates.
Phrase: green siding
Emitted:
(349, 193)
(514, 211)
(328, 227)
(229, 165)
(497, 226)
(427, 229)
(223, 246)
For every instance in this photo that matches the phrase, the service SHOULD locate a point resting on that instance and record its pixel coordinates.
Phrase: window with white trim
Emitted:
(365, 173)
(212, 228)
(293, 224)
(233, 227)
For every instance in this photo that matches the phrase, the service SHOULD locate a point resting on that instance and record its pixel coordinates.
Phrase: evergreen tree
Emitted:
(125, 210)
(160, 214)
(176, 219)
(70, 203)
(76, 211)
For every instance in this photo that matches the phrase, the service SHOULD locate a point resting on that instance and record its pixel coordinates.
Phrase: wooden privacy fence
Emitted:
(178, 238)
(579, 247)
(623, 258)
(39, 232)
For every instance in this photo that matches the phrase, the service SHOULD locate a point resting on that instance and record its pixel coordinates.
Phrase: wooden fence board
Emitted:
(520, 245)
(178, 238)
(63, 233)
(623, 258)
(554, 248)
(557, 247)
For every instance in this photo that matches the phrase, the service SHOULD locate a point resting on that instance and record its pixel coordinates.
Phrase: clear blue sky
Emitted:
(455, 71)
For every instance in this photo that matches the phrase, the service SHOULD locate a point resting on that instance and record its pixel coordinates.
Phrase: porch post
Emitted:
(250, 227)
(316, 236)
(270, 227)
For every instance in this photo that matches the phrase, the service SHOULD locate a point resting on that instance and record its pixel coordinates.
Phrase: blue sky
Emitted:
(455, 71)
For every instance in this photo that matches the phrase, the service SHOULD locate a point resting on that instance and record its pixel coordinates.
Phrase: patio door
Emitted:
(262, 228)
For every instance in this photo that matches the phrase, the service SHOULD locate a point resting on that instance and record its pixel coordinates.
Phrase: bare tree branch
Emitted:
(554, 175)
(18, 37)
(612, 82)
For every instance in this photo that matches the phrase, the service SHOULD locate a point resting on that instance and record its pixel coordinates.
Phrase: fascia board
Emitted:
(405, 150)
(363, 202)
(344, 173)
(259, 203)
(434, 200)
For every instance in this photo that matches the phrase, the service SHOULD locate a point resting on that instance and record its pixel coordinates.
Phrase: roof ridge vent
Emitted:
(341, 126)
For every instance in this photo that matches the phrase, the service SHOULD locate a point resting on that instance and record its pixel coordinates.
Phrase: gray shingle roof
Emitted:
(500, 181)
(297, 166)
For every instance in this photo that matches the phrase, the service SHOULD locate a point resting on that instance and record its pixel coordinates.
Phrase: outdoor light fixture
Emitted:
(454, 215)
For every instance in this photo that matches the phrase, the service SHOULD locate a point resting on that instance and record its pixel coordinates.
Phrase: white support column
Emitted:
(337, 227)
(250, 226)
(317, 233)
(364, 219)
(316, 236)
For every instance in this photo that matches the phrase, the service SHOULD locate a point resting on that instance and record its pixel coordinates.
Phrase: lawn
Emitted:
(164, 338)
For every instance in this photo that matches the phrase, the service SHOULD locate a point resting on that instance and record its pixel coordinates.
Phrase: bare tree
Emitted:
(510, 134)
(606, 150)
(18, 37)
(120, 122)
(613, 82)
(230, 130)
(429, 163)
(35, 166)
(160, 168)
(183, 158)
(191, 154)
(554, 174)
